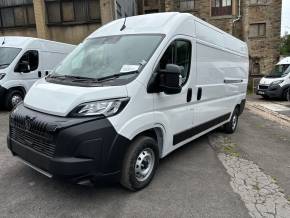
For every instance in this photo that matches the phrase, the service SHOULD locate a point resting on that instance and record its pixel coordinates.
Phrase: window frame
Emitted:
(88, 18)
(26, 15)
(24, 53)
(258, 26)
(190, 57)
(187, 3)
(220, 10)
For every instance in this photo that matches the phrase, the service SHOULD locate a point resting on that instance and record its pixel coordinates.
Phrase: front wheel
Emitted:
(140, 163)
(231, 126)
(13, 98)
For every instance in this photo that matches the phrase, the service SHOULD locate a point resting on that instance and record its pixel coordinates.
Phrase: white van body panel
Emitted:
(50, 55)
(219, 66)
(60, 99)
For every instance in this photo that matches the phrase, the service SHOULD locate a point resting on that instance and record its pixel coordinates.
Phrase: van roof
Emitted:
(23, 42)
(284, 61)
(170, 24)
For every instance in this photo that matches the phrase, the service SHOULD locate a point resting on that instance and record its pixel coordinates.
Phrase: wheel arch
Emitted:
(157, 134)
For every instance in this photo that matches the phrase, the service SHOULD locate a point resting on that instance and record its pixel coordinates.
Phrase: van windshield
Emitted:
(279, 71)
(7, 55)
(108, 57)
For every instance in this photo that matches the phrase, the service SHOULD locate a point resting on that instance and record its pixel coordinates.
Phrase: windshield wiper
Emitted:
(4, 65)
(74, 78)
(117, 75)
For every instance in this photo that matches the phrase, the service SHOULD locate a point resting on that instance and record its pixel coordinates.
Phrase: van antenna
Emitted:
(124, 24)
(3, 41)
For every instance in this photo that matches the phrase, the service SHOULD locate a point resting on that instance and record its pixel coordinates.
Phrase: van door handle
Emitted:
(39, 74)
(199, 93)
(189, 95)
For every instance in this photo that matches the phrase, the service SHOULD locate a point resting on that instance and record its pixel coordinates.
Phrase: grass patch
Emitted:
(230, 150)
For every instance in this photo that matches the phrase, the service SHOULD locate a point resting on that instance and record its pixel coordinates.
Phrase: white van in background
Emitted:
(23, 60)
(130, 94)
(277, 83)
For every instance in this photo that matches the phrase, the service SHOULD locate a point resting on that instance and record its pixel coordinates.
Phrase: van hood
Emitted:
(60, 100)
(269, 80)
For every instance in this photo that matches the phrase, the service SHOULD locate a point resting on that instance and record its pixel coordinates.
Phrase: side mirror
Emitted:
(170, 79)
(23, 67)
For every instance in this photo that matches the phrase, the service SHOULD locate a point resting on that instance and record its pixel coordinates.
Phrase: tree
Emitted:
(285, 45)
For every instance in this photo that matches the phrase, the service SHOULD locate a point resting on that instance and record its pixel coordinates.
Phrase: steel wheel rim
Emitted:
(144, 164)
(235, 120)
(16, 99)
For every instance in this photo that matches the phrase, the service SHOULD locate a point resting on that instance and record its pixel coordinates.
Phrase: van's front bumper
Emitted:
(3, 92)
(272, 91)
(70, 148)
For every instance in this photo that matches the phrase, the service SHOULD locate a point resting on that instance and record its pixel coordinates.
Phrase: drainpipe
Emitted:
(239, 16)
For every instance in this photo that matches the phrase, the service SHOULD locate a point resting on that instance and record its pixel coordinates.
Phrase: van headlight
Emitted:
(103, 108)
(2, 75)
(277, 82)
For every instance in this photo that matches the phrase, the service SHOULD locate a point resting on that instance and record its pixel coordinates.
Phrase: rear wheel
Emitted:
(140, 163)
(231, 126)
(13, 98)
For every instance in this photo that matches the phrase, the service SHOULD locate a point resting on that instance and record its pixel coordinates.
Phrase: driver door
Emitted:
(31, 57)
(176, 108)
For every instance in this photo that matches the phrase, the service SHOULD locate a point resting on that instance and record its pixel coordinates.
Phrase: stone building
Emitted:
(61, 20)
(257, 22)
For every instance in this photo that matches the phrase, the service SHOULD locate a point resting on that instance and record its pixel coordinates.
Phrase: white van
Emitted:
(23, 60)
(129, 95)
(277, 83)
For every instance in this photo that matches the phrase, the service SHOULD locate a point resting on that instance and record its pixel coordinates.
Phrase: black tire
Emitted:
(265, 96)
(129, 178)
(286, 94)
(231, 126)
(9, 100)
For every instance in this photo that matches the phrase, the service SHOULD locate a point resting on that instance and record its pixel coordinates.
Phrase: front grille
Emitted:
(33, 134)
(263, 86)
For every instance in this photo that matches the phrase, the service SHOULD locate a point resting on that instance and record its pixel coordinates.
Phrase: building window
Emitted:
(17, 16)
(72, 11)
(186, 5)
(259, 2)
(257, 30)
(221, 7)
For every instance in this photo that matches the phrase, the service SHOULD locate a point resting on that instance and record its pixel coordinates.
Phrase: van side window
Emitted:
(179, 53)
(32, 58)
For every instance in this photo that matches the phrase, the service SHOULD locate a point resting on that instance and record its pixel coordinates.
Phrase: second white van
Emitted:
(23, 60)
(131, 93)
(277, 83)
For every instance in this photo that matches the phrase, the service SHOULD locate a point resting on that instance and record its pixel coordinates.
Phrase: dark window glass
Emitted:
(7, 17)
(72, 11)
(185, 5)
(30, 57)
(17, 16)
(53, 12)
(221, 7)
(30, 15)
(80, 7)
(94, 10)
(68, 11)
(179, 53)
(20, 16)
